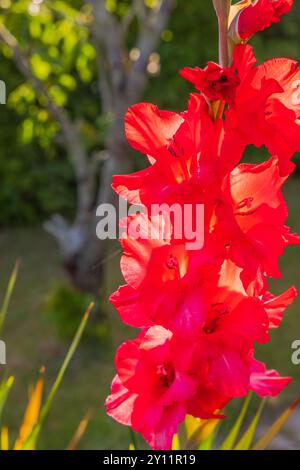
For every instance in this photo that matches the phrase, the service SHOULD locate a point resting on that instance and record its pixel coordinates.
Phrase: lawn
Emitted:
(32, 341)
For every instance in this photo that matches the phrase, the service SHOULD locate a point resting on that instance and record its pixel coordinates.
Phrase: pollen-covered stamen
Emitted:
(217, 311)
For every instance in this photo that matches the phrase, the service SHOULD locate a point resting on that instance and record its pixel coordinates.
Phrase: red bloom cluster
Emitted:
(202, 311)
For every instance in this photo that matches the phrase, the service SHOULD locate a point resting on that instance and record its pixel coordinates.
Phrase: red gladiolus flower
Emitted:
(264, 106)
(187, 161)
(260, 14)
(160, 379)
(202, 310)
(215, 82)
(153, 386)
(255, 220)
(267, 104)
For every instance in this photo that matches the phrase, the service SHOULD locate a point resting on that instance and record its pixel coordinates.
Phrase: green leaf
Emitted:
(233, 434)
(133, 439)
(272, 432)
(5, 388)
(176, 442)
(191, 424)
(40, 67)
(247, 438)
(32, 438)
(203, 436)
(8, 294)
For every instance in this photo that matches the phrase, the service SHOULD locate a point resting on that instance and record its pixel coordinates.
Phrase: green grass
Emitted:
(33, 342)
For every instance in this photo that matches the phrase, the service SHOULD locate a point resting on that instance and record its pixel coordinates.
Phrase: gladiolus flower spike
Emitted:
(201, 312)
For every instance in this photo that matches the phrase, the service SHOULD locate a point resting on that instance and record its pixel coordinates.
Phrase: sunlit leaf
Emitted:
(5, 388)
(58, 95)
(27, 131)
(41, 68)
(32, 412)
(175, 442)
(203, 435)
(233, 434)
(32, 438)
(67, 81)
(247, 438)
(64, 8)
(4, 438)
(191, 424)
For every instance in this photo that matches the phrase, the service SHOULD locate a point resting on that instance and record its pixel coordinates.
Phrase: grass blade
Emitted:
(4, 438)
(80, 431)
(272, 432)
(233, 434)
(31, 441)
(175, 442)
(191, 424)
(5, 388)
(133, 440)
(247, 439)
(32, 412)
(203, 434)
(8, 294)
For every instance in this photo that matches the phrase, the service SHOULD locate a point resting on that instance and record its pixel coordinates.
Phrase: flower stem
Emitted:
(222, 8)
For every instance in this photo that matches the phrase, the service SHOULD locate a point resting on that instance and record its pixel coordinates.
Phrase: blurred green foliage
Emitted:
(63, 307)
(36, 178)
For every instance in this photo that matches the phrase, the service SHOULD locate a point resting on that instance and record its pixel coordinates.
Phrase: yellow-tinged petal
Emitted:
(4, 438)
(32, 413)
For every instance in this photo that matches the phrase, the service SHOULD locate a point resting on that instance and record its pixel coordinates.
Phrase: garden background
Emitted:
(38, 180)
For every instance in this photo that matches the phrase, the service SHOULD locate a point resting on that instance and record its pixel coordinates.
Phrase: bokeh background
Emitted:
(78, 69)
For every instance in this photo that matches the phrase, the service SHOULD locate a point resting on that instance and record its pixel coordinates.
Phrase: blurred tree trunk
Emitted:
(121, 82)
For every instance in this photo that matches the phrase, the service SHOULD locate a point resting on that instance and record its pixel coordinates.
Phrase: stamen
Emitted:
(172, 262)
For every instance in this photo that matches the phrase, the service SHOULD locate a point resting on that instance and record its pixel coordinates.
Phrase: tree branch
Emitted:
(129, 17)
(107, 31)
(104, 85)
(151, 27)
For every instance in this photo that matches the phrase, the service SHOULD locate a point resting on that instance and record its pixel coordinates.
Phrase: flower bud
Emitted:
(248, 17)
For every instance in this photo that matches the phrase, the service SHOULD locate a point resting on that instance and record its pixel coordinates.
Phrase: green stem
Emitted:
(222, 8)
